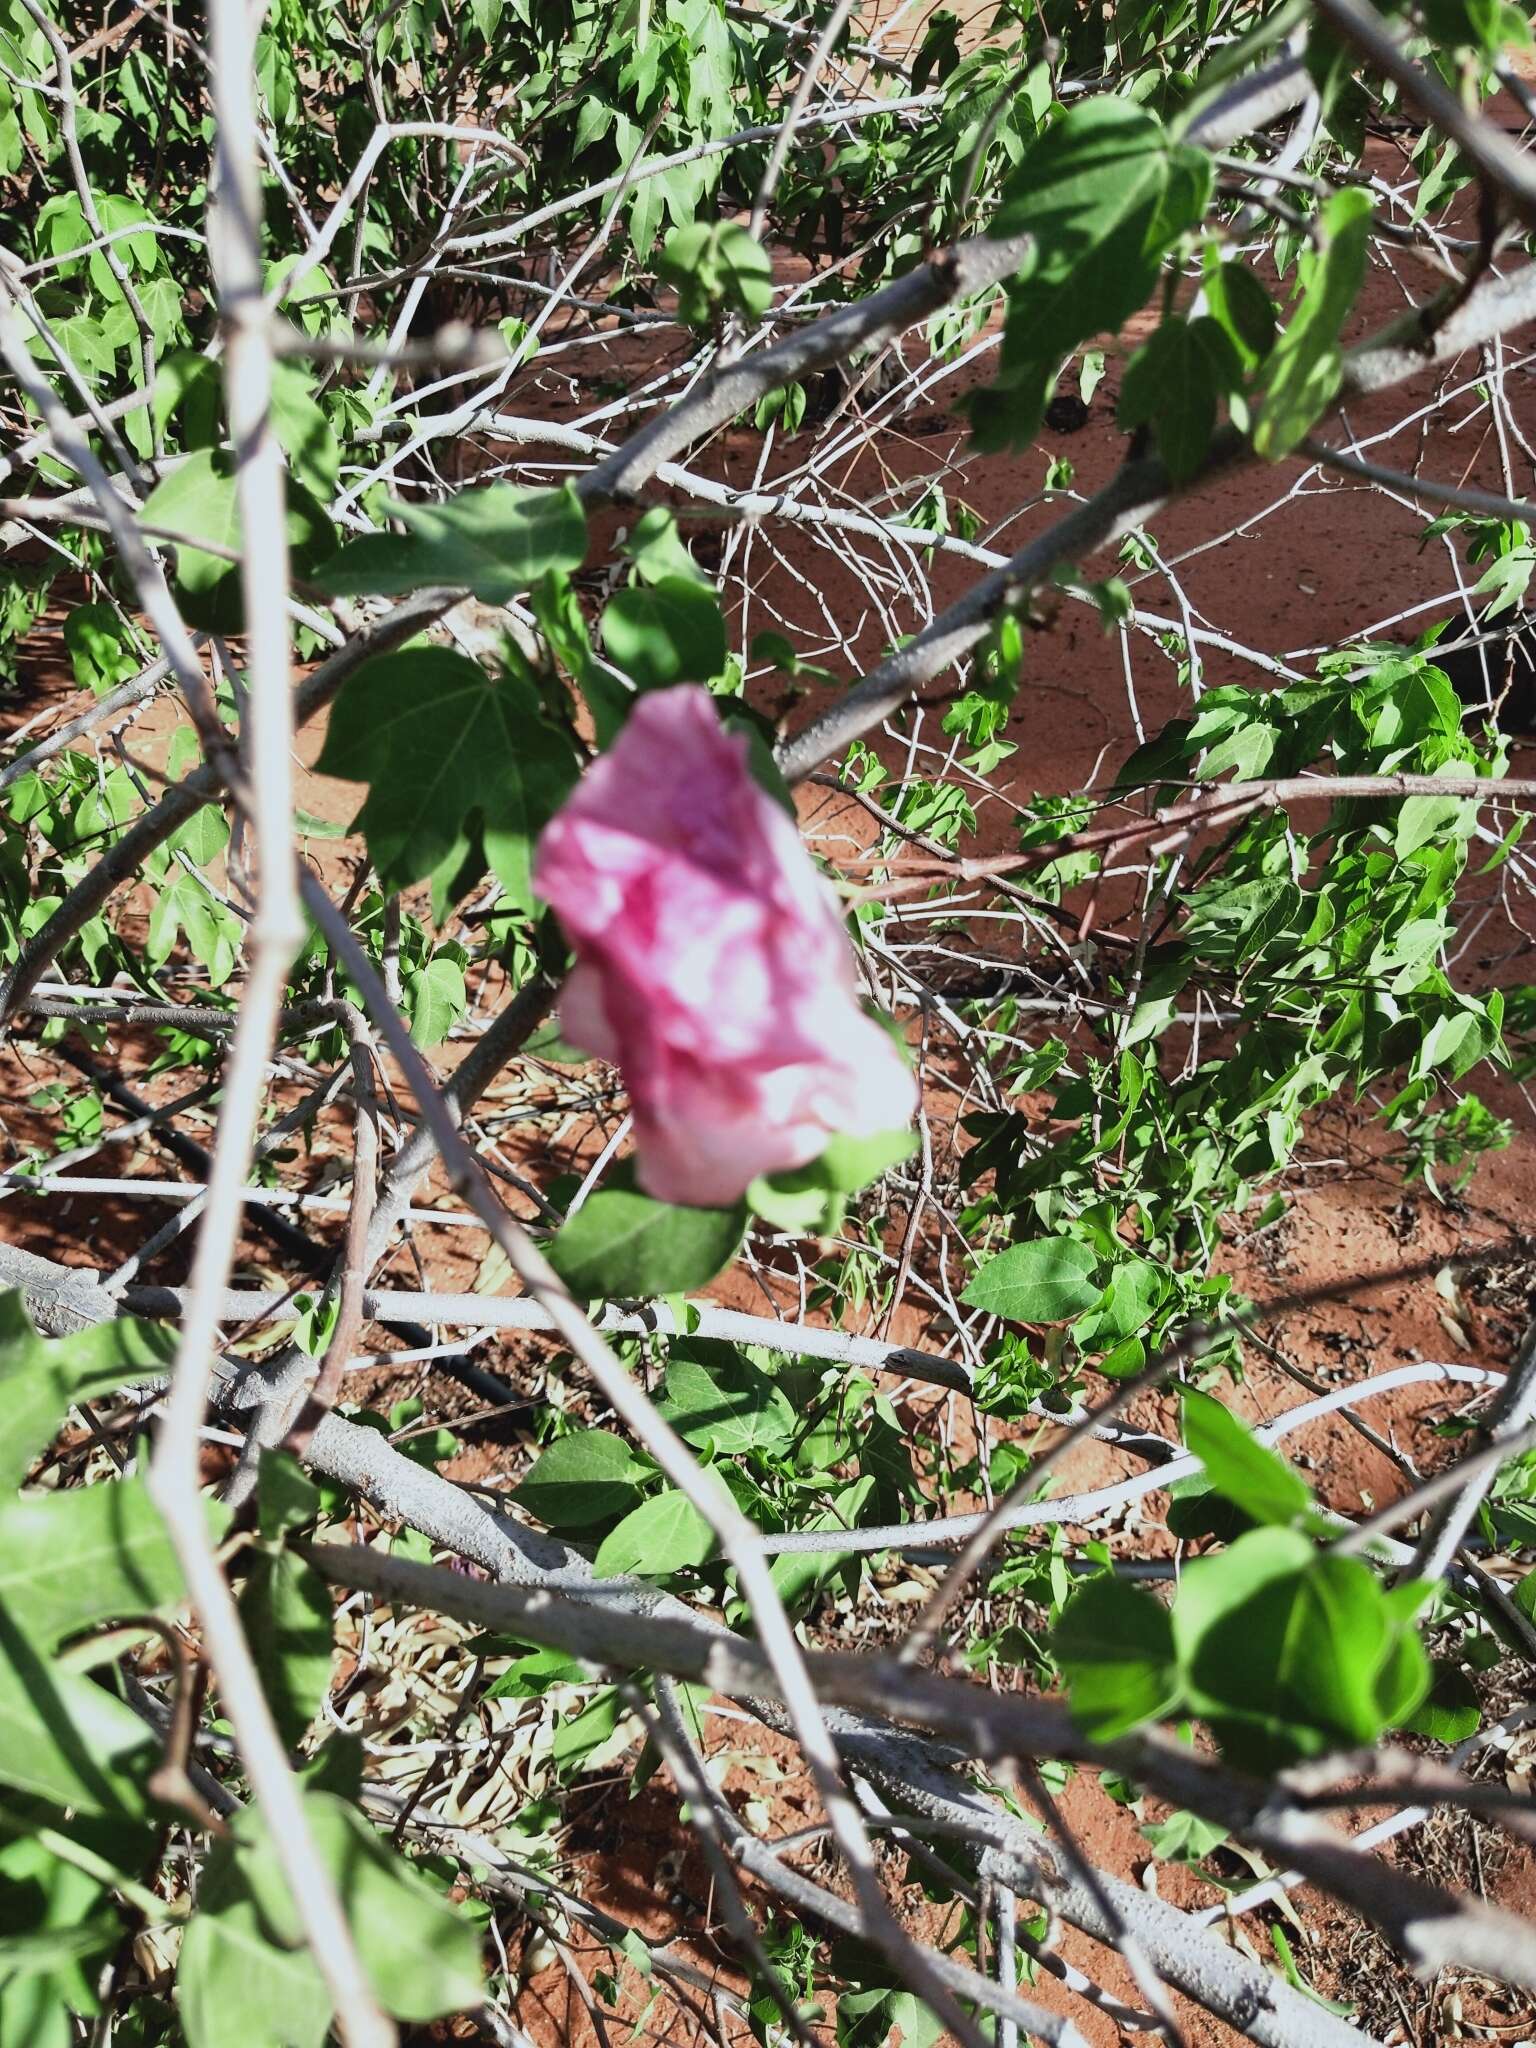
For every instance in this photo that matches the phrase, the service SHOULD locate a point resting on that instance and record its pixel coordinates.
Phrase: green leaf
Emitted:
(622, 1243)
(286, 1497)
(1242, 306)
(188, 382)
(436, 998)
(1183, 1838)
(1173, 382)
(1288, 1651)
(441, 743)
(536, 1674)
(664, 1534)
(670, 631)
(811, 1199)
(198, 499)
(1042, 1282)
(308, 826)
(39, 1376)
(25, 1954)
(1136, 1287)
(496, 542)
(1239, 1466)
(1303, 372)
(303, 431)
(583, 1479)
(245, 1978)
(71, 1560)
(203, 837)
(580, 1736)
(797, 1201)
(656, 548)
(1115, 1648)
(1421, 819)
(715, 266)
(101, 649)
(866, 2019)
(1406, 1674)
(236, 1985)
(58, 1922)
(32, 2012)
(186, 905)
(286, 1608)
(1451, 1710)
(1487, 25)
(117, 212)
(715, 1398)
(62, 1737)
(1104, 196)
(798, 1575)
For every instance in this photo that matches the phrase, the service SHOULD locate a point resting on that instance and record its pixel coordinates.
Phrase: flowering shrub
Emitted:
(337, 342)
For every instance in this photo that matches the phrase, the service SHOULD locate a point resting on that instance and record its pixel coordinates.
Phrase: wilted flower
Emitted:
(711, 962)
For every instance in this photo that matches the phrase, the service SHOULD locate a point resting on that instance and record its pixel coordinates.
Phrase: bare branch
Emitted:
(266, 738)
(1502, 162)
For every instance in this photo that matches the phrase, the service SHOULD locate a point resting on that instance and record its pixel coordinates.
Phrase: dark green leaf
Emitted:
(670, 631)
(1115, 1648)
(1168, 384)
(1239, 1466)
(664, 1534)
(622, 1243)
(1042, 1282)
(198, 500)
(583, 1479)
(1243, 307)
(496, 542)
(1303, 372)
(441, 744)
(715, 1398)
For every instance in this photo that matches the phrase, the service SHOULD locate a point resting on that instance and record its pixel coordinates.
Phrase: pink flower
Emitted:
(711, 962)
